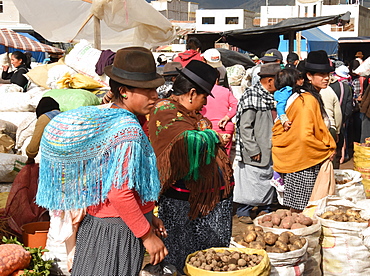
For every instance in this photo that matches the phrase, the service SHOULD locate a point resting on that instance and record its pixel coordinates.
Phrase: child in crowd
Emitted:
(285, 81)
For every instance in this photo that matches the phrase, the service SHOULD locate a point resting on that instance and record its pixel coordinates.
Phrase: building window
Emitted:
(350, 27)
(305, 11)
(1, 6)
(232, 20)
(208, 20)
(314, 10)
(273, 21)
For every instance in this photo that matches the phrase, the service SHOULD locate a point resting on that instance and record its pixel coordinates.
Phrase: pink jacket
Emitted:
(224, 103)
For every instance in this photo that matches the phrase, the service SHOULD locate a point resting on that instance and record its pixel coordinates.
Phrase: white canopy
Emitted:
(123, 22)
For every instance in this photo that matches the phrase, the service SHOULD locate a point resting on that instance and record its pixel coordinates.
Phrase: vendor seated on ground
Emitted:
(21, 62)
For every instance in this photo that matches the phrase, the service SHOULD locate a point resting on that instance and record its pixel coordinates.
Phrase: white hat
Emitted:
(212, 57)
(342, 71)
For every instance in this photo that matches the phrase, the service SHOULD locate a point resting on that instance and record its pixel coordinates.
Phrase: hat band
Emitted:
(136, 76)
(317, 66)
(197, 79)
(171, 73)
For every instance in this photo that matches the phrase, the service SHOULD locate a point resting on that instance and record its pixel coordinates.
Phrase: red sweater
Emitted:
(126, 204)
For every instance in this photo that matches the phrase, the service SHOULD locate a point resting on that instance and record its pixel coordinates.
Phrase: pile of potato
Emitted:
(224, 261)
(255, 237)
(343, 215)
(285, 219)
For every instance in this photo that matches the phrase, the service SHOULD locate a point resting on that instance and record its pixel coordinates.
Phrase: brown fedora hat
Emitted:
(134, 66)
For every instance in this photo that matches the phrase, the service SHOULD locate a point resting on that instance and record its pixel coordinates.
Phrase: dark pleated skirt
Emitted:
(186, 236)
(106, 246)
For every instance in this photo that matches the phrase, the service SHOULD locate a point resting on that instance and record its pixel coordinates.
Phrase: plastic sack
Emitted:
(262, 269)
(361, 162)
(161, 269)
(6, 143)
(16, 101)
(25, 130)
(235, 74)
(10, 165)
(343, 248)
(364, 68)
(56, 73)
(83, 58)
(21, 207)
(8, 128)
(72, 98)
(78, 81)
(312, 234)
(349, 185)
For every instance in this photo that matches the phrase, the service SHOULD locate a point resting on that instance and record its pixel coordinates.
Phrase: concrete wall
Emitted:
(245, 19)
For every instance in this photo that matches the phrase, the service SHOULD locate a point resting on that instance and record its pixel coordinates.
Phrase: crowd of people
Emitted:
(166, 140)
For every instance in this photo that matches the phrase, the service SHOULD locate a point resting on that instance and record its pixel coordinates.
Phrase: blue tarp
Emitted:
(38, 56)
(315, 39)
(318, 40)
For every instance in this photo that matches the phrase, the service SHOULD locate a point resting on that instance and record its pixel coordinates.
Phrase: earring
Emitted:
(190, 101)
(124, 96)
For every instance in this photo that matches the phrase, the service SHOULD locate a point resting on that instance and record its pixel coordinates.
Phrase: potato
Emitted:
(293, 247)
(287, 222)
(339, 211)
(293, 238)
(275, 249)
(250, 236)
(256, 245)
(298, 243)
(261, 239)
(250, 227)
(354, 213)
(282, 246)
(297, 226)
(267, 224)
(258, 229)
(327, 214)
(266, 218)
(271, 238)
(275, 219)
(242, 262)
(307, 221)
(284, 237)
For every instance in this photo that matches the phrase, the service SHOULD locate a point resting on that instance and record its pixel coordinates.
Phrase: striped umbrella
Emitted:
(9, 38)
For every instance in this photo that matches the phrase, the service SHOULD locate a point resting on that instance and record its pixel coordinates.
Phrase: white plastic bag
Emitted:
(25, 130)
(10, 165)
(343, 248)
(353, 189)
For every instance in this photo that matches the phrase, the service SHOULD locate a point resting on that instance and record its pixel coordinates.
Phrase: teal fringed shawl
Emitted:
(201, 150)
(87, 151)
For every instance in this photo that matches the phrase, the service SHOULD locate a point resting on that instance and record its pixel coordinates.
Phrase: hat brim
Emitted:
(194, 82)
(158, 81)
(320, 68)
(268, 58)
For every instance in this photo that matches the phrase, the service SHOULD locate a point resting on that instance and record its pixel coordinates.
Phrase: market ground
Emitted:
(238, 227)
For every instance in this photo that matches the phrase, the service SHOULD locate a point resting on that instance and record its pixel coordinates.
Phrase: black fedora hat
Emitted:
(201, 74)
(318, 61)
(134, 66)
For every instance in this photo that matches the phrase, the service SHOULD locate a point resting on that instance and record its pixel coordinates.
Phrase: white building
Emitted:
(359, 24)
(220, 20)
(176, 9)
(10, 17)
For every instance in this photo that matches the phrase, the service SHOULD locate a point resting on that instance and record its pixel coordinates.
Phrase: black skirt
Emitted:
(106, 246)
(186, 236)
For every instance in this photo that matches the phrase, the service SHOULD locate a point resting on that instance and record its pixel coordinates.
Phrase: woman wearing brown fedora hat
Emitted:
(194, 169)
(99, 158)
(298, 153)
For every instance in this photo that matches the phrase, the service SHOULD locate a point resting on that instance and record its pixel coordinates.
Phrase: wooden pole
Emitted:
(291, 41)
(97, 33)
(298, 38)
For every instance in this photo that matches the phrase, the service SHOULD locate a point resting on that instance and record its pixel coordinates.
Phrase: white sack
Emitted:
(8, 128)
(343, 249)
(312, 234)
(364, 68)
(13, 100)
(56, 73)
(353, 190)
(10, 165)
(25, 130)
(15, 118)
